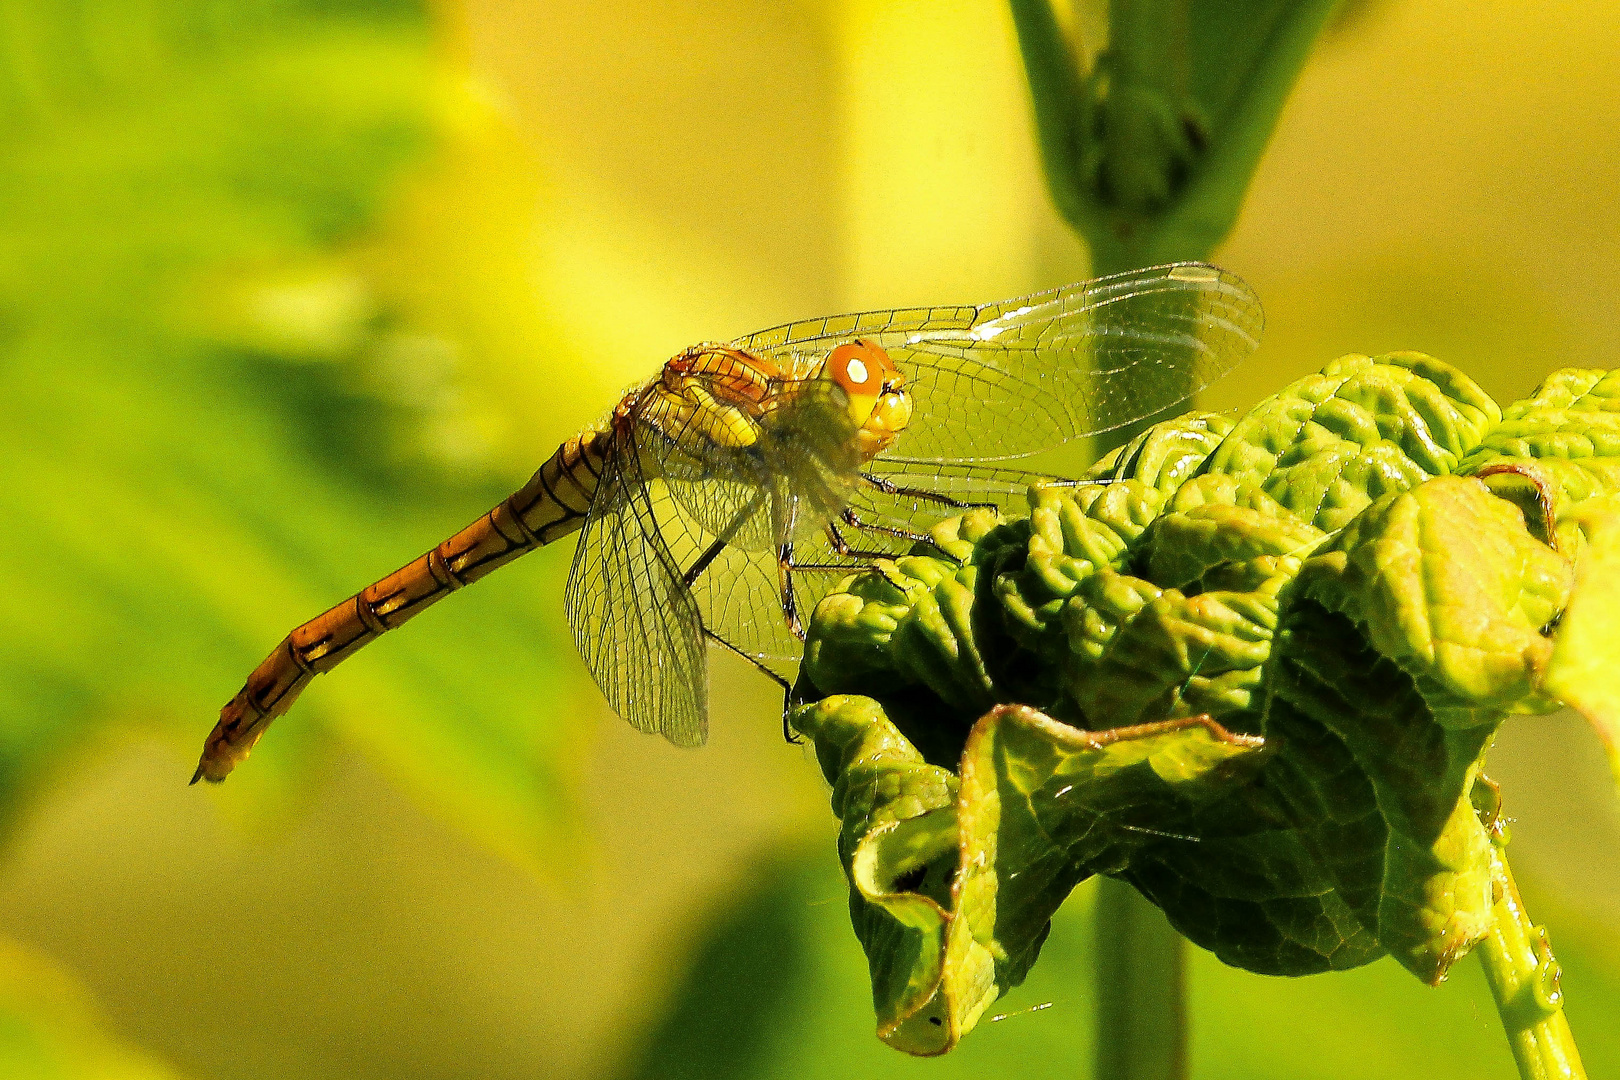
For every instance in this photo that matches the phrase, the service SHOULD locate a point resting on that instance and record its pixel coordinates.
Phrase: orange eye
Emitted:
(860, 367)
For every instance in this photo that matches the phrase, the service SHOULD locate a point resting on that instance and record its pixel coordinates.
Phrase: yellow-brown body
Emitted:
(744, 462)
(714, 401)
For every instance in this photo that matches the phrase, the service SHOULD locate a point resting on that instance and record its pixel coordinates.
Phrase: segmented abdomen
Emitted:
(551, 505)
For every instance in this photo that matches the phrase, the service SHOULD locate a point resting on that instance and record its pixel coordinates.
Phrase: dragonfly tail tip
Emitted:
(213, 776)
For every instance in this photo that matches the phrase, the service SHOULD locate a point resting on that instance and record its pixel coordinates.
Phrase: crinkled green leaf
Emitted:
(1331, 443)
(1165, 455)
(1570, 428)
(936, 893)
(1446, 581)
(1317, 577)
(896, 826)
(1582, 671)
(915, 612)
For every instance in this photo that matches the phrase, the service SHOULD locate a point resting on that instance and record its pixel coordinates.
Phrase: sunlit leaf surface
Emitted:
(1277, 651)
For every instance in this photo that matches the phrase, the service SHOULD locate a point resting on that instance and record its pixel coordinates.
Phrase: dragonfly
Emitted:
(720, 500)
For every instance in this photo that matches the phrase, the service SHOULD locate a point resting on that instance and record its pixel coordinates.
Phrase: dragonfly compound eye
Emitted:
(860, 367)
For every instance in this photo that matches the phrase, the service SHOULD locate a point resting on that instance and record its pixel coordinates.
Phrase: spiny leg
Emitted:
(770, 673)
(835, 540)
(785, 566)
(784, 574)
(1071, 482)
(882, 564)
(711, 553)
(693, 572)
(889, 487)
(785, 514)
(727, 534)
(853, 520)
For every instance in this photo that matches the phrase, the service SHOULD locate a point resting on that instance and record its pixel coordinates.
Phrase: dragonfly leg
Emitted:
(709, 555)
(853, 520)
(1071, 482)
(788, 733)
(765, 670)
(835, 539)
(784, 571)
(889, 487)
(881, 564)
(787, 687)
(695, 571)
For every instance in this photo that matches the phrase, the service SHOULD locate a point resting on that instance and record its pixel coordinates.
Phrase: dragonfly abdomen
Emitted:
(551, 505)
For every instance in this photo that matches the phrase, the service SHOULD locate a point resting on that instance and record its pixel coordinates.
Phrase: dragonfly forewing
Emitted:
(1011, 379)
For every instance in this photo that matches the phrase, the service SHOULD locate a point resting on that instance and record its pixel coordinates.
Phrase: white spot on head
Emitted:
(856, 371)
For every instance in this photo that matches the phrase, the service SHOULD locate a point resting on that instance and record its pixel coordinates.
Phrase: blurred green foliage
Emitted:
(206, 395)
(205, 403)
(225, 406)
(49, 1029)
(774, 990)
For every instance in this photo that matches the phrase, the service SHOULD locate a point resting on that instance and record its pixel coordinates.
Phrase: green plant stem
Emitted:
(1145, 176)
(1058, 93)
(1208, 205)
(1147, 77)
(1523, 976)
(1141, 989)
(1141, 170)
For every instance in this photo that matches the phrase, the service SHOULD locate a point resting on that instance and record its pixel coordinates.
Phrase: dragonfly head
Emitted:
(878, 403)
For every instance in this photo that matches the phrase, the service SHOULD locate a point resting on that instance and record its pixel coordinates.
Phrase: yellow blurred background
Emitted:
(452, 860)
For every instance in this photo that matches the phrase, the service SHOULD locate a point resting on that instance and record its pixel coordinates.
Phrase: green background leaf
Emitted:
(616, 182)
(209, 402)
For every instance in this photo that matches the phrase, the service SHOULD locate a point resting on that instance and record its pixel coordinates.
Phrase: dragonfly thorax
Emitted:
(725, 396)
(716, 393)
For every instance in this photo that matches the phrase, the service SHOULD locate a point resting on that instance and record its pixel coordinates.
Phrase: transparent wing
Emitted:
(739, 593)
(914, 503)
(804, 444)
(1013, 378)
(717, 486)
(741, 600)
(634, 620)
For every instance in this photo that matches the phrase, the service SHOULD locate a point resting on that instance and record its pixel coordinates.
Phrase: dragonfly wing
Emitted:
(1013, 378)
(717, 487)
(1031, 374)
(740, 595)
(739, 590)
(634, 620)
